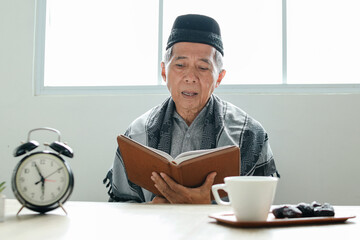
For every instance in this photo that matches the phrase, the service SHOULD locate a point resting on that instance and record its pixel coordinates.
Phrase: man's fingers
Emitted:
(177, 193)
(209, 180)
(159, 200)
(171, 183)
(171, 190)
(157, 179)
(161, 184)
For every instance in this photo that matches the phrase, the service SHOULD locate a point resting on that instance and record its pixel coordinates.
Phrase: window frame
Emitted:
(284, 88)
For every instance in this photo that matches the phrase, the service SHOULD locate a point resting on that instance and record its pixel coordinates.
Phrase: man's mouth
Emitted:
(189, 94)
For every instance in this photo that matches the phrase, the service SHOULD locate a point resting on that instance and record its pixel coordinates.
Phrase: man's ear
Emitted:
(163, 72)
(220, 77)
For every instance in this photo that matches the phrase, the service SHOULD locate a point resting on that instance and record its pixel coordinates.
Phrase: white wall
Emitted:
(315, 138)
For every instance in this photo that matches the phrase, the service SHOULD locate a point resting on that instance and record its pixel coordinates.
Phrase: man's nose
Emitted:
(191, 75)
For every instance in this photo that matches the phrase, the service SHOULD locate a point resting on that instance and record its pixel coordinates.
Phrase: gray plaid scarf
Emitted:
(159, 126)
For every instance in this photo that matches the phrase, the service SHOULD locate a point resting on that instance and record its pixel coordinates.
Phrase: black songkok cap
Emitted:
(198, 29)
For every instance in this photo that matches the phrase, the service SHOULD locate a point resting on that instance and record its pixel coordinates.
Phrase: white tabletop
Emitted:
(101, 220)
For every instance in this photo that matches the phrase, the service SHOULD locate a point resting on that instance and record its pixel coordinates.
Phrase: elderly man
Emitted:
(192, 118)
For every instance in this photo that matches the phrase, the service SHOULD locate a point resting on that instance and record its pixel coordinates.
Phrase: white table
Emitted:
(101, 220)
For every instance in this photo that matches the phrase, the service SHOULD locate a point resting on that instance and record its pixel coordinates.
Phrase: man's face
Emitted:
(191, 76)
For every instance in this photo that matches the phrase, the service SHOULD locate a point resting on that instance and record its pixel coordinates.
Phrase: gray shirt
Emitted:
(187, 138)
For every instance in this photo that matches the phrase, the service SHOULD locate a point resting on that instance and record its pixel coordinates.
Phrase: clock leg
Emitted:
(62, 208)
(20, 210)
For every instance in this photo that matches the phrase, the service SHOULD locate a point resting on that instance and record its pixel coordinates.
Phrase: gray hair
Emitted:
(218, 58)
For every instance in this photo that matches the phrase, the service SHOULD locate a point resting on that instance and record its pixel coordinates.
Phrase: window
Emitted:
(117, 44)
(100, 43)
(251, 33)
(323, 41)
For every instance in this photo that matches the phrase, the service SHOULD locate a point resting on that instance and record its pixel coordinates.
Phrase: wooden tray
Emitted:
(229, 219)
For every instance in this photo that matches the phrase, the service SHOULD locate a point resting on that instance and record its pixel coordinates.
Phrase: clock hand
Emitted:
(38, 170)
(50, 180)
(43, 187)
(49, 175)
(42, 179)
(54, 172)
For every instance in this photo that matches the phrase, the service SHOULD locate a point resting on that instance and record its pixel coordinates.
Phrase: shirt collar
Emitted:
(199, 118)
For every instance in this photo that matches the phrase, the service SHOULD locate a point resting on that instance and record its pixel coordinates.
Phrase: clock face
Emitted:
(43, 179)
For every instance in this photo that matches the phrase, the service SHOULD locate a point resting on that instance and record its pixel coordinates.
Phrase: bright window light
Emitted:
(115, 43)
(251, 33)
(101, 43)
(104, 43)
(323, 41)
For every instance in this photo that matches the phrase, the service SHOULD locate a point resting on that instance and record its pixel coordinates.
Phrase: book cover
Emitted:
(189, 169)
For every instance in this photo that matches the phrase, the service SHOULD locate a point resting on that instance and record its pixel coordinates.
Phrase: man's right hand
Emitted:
(159, 200)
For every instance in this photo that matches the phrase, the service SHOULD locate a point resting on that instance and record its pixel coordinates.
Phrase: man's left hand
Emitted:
(176, 193)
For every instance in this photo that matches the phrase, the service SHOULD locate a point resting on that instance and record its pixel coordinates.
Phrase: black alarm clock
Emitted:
(42, 181)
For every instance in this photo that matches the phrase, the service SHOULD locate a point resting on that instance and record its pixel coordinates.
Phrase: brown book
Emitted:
(189, 169)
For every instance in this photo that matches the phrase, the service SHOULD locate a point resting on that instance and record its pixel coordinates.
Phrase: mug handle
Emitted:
(215, 189)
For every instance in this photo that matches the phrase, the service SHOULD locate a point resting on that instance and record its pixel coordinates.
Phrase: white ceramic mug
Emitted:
(250, 196)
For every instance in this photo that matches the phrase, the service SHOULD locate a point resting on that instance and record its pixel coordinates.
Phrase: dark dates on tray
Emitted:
(306, 209)
(287, 212)
(325, 210)
(314, 209)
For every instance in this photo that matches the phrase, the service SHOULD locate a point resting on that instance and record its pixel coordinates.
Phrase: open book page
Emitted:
(196, 153)
(162, 153)
(187, 155)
